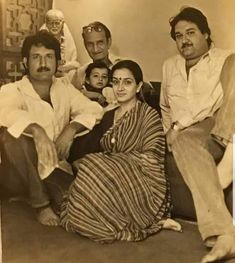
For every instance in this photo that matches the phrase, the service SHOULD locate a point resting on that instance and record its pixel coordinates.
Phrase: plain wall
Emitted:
(140, 28)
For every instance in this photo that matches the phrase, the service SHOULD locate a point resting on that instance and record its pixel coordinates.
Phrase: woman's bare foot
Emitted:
(225, 167)
(224, 248)
(46, 216)
(171, 225)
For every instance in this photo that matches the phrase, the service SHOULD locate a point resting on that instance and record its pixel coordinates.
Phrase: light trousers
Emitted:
(192, 154)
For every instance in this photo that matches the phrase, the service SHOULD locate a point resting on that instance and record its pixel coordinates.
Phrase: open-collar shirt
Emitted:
(20, 105)
(190, 99)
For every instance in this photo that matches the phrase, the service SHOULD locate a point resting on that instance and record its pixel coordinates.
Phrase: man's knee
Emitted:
(184, 141)
(4, 136)
(17, 148)
(7, 140)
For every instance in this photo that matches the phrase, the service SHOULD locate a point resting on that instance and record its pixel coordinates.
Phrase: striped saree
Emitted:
(121, 193)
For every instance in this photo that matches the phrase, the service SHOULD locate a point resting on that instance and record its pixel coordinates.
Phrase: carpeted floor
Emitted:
(24, 240)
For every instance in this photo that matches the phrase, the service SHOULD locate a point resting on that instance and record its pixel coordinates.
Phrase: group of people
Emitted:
(119, 189)
(88, 80)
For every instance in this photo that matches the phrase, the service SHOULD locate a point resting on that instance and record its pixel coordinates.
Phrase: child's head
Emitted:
(97, 75)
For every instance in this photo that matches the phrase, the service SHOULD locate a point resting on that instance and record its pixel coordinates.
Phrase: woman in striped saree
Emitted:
(121, 192)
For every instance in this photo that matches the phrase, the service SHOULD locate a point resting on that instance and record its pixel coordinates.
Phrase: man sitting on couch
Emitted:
(197, 102)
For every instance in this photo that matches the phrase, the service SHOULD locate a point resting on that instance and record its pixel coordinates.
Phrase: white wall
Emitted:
(140, 28)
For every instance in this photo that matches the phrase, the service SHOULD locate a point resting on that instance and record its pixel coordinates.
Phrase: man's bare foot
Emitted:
(225, 167)
(224, 248)
(46, 216)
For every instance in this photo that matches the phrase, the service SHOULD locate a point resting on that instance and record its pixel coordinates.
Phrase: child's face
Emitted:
(98, 78)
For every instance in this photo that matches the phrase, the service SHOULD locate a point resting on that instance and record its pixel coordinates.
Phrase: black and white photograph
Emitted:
(117, 120)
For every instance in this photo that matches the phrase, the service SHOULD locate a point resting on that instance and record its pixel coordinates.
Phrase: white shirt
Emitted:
(192, 99)
(20, 106)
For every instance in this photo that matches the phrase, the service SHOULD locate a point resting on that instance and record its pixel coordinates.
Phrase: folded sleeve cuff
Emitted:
(86, 120)
(19, 126)
(187, 121)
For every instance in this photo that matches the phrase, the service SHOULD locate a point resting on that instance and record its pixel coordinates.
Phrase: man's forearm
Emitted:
(76, 127)
(33, 129)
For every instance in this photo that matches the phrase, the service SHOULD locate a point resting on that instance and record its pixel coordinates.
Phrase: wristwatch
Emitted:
(176, 126)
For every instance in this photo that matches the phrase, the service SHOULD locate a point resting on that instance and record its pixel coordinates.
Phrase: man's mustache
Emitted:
(42, 69)
(186, 45)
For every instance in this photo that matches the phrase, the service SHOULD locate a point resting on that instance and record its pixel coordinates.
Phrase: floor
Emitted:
(0, 235)
(26, 241)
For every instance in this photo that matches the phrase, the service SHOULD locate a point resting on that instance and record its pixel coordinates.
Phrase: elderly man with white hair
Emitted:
(54, 23)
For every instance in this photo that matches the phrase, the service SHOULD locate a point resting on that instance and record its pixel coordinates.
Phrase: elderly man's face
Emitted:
(55, 25)
(97, 45)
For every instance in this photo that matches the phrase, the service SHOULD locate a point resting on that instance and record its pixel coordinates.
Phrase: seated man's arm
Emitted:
(13, 111)
(84, 115)
(47, 155)
(164, 104)
(15, 117)
(83, 110)
(64, 141)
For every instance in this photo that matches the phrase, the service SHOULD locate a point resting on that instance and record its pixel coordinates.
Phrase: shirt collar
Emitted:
(210, 52)
(27, 87)
(208, 55)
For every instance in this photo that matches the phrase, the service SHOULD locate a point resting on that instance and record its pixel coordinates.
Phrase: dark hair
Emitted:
(41, 38)
(97, 64)
(99, 24)
(132, 66)
(195, 16)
